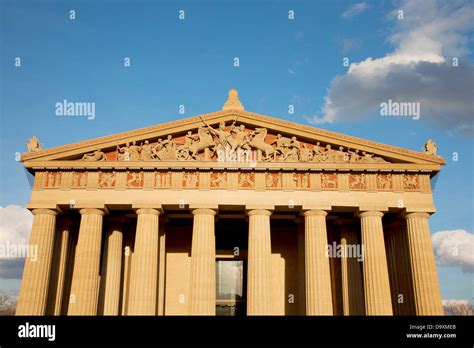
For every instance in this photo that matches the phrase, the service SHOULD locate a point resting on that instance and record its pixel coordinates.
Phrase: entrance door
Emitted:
(230, 287)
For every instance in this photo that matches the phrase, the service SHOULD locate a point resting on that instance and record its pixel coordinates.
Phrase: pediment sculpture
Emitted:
(208, 142)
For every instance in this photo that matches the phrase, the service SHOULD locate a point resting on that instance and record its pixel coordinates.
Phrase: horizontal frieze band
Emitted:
(235, 179)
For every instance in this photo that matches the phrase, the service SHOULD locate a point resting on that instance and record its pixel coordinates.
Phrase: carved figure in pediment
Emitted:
(241, 139)
(189, 139)
(282, 144)
(169, 148)
(33, 144)
(134, 150)
(204, 142)
(293, 150)
(95, 156)
(370, 158)
(305, 154)
(430, 147)
(257, 141)
(353, 156)
(329, 155)
(318, 154)
(123, 153)
(223, 136)
(158, 150)
(328, 182)
(340, 155)
(146, 153)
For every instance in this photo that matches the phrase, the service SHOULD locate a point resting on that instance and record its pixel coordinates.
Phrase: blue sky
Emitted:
(190, 62)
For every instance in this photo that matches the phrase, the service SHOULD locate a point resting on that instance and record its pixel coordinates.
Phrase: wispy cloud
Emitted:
(355, 10)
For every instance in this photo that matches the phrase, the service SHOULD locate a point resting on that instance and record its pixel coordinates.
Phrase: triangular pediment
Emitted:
(201, 139)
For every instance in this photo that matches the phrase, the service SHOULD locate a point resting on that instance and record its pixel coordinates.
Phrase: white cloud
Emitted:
(15, 228)
(355, 10)
(454, 248)
(418, 70)
(15, 224)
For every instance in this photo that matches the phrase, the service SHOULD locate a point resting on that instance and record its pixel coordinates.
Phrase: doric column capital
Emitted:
(370, 213)
(148, 211)
(204, 211)
(315, 212)
(416, 215)
(263, 212)
(44, 211)
(92, 211)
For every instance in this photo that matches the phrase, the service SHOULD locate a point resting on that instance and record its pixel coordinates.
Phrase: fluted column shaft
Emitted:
(352, 287)
(34, 286)
(259, 293)
(317, 269)
(85, 278)
(144, 270)
(203, 264)
(423, 267)
(112, 270)
(375, 269)
(59, 267)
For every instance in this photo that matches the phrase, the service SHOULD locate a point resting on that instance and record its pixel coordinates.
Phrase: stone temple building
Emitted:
(230, 213)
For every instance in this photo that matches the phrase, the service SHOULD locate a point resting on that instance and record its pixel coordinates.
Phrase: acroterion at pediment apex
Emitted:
(233, 102)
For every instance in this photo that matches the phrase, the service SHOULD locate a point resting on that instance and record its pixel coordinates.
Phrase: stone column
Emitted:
(144, 270)
(259, 292)
(203, 264)
(318, 276)
(59, 266)
(112, 270)
(34, 286)
(351, 269)
(376, 281)
(162, 268)
(423, 267)
(84, 295)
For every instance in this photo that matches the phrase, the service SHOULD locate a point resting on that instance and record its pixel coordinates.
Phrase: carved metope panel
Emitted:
(40, 180)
